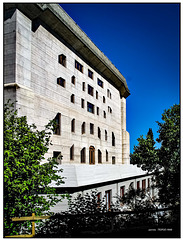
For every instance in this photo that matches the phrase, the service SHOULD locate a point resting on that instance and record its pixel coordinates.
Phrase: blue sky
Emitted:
(142, 41)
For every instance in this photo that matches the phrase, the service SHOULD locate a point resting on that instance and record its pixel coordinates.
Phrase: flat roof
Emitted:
(53, 16)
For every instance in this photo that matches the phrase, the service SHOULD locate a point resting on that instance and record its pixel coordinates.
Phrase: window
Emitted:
(73, 125)
(72, 152)
(100, 83)
(90, 107)
(113, 160)
(148, 183)
(103, 99)
(107, 156)
(58, 156)
(144, 184)
(82, 103)
(62, 60)
(99, 197)
(91, 155)
(96, 95)
(90, 90)
(138, 185)
(58, 124)
(78, 66)
(113, 139)
(105, 135)
(83, 128)
(83, 86)
(72, 98)
(83, 155)
(99, 133)
(61, 81)
(99, 156)
(122, 191)
(73, 80)
(109, 109)
(90, 74)
(91, 128)
(108, 199)
(97, 110)
(107, 92)
(104, 114)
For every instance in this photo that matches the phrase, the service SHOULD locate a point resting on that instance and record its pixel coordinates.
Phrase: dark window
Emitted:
(138, 185)
(113, 139)
(72, 98)
(90, 74)
(100, 83)
(122, 191)
(83, 128)
(113, 160)
(58, 156)
(109, 109)
(82, 103)
(144, 184)
(62, 59)
(61, 81)
(108, 92)
(73, 80)
(96, 95)
(104, 114)
(91, 128)
(107, 156)
(58, 124)
(72, 153)
(83, 86)
(83, 155)
(90, 107)
(105, 135)
(97, 110)
(103, 99)
(91, 155)
(78, 66)
(108, 199)
(90, 90)
(148, 182)
(99, 156)
(73, 125)
(99, 133)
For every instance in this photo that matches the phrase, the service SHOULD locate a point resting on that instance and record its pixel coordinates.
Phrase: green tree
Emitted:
(145, 153)
(169, 156)
(24, 175)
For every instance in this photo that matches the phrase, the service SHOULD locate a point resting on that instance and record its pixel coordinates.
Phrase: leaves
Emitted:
(24, 150)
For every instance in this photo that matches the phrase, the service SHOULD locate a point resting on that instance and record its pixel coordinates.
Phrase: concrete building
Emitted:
(54, 71)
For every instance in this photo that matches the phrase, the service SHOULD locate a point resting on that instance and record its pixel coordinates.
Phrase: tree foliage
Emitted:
(24, 175)
(165, 161)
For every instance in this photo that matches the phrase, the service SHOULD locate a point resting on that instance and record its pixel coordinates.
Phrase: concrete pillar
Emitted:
(125, 134)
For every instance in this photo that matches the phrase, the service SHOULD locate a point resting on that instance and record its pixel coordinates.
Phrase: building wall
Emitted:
(40, 98)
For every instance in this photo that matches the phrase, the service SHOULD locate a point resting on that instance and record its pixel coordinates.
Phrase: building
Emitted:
(54, 71)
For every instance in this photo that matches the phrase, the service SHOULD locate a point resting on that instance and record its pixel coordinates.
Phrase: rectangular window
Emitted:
(100, 83)
(99, 156)
(62, 60)
(96, 95)
(99, 133)
(72, 153)
(90, 107)
(113, 160)
(78, 66)
(107, 156)
(104, 114)
(73, 125)
(91, 128)
(138, 185)
(148, 183)
(83, 128)
(97, 110)
(58, 124)
(72, 98)
(90, 90)
(144, 184)
(122, 191)
(61, 81)
(82, 103)
(90, 74)
(83, 155)
(58, 156)
(73, 80)
(108, 199)
(83, 86)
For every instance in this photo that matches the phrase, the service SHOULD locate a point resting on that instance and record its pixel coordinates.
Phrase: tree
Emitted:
(145, 153)
(24, 175)
(169, 156)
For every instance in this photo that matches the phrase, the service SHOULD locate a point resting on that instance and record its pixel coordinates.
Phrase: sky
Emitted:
(142, 41)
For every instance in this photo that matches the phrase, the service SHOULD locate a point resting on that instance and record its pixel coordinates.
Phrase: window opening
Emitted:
(62, 60)
(61, 82)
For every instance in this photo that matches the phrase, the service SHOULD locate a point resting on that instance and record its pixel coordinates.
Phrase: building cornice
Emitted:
(64, 26)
